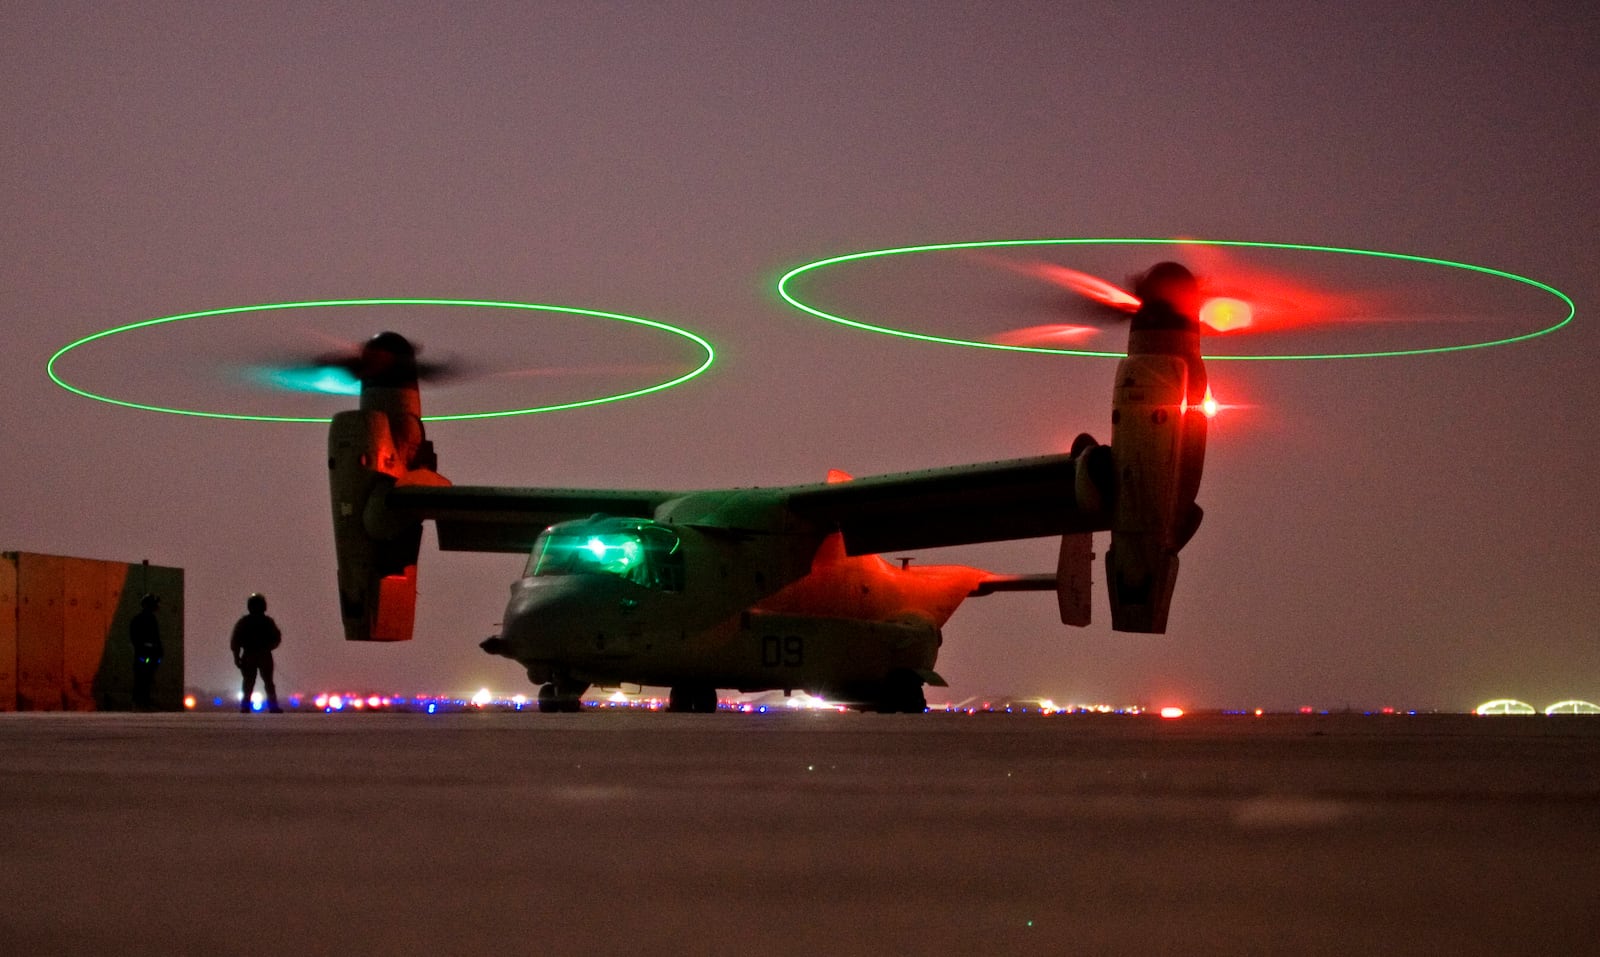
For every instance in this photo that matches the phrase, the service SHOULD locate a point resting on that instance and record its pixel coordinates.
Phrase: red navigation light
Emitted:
(1209, 404)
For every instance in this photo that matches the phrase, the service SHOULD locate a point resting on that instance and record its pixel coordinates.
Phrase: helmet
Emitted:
(256, 603)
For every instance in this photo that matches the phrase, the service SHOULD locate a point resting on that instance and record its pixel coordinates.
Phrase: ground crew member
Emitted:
(145, 634)
(254, 637)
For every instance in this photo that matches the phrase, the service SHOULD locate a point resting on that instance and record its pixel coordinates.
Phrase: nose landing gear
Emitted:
(557, 697)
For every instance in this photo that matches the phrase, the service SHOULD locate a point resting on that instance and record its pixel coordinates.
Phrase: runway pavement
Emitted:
(814, 833)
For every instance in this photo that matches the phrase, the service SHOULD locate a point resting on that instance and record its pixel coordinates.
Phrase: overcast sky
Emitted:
(1417, 532)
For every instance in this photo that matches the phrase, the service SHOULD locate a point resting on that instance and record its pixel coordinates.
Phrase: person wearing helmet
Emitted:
(254, 637)
(145, 634)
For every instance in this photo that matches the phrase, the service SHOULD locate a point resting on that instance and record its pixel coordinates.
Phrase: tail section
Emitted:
(371, 450)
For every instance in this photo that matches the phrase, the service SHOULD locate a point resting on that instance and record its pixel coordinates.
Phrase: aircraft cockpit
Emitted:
(638, 550)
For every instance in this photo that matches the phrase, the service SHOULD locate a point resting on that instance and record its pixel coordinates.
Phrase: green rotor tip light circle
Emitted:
(788, 278)
(710, 354)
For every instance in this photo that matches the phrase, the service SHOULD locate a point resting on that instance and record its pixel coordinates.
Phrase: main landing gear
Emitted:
(693, 699)
(901, 693)
(554, 697)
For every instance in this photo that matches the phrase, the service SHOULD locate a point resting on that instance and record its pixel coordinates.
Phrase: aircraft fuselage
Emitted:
(750, 614)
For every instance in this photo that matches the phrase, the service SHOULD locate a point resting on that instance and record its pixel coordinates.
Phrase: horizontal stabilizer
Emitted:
(1000, 583)
(1074, 581)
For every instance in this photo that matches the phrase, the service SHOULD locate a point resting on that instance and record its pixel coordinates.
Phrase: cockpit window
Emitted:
(641, 551)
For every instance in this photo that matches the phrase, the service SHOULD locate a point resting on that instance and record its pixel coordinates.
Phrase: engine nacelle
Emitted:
(371, 451)
(1152, 505)
(377, 556)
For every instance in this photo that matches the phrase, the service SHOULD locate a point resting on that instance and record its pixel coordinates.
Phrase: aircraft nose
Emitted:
(542, 610)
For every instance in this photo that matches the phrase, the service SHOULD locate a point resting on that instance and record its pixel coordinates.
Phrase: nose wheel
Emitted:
(561, 698)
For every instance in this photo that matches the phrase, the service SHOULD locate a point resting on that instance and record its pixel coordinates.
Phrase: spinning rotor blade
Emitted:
(1233, 299)
(340, 370)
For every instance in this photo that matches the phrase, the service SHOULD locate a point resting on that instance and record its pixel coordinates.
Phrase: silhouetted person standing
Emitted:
(254, 637)
(145, 634)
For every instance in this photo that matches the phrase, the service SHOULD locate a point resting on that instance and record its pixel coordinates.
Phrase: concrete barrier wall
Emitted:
(41, 627)
(8, 634)
(64, 632)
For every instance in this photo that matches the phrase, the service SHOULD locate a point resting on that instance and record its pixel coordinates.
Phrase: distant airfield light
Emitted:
(482, 698)
(336, 702)
(1258, 712)
(1573, 707)
(1171, 712)
(321, 701)
(1505, 706)
(188, 702)
(374, 701)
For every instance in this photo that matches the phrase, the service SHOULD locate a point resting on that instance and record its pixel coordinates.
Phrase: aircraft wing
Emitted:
(997, 501)
(482, 518)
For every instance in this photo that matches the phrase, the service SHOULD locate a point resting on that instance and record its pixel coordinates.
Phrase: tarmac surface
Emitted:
(815, 833)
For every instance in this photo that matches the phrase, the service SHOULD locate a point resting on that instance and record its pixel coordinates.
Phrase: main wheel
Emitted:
(692, 699)
(902, 694)
(569, 697)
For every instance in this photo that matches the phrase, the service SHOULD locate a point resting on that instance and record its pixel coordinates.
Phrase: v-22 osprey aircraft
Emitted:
(784, 588)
